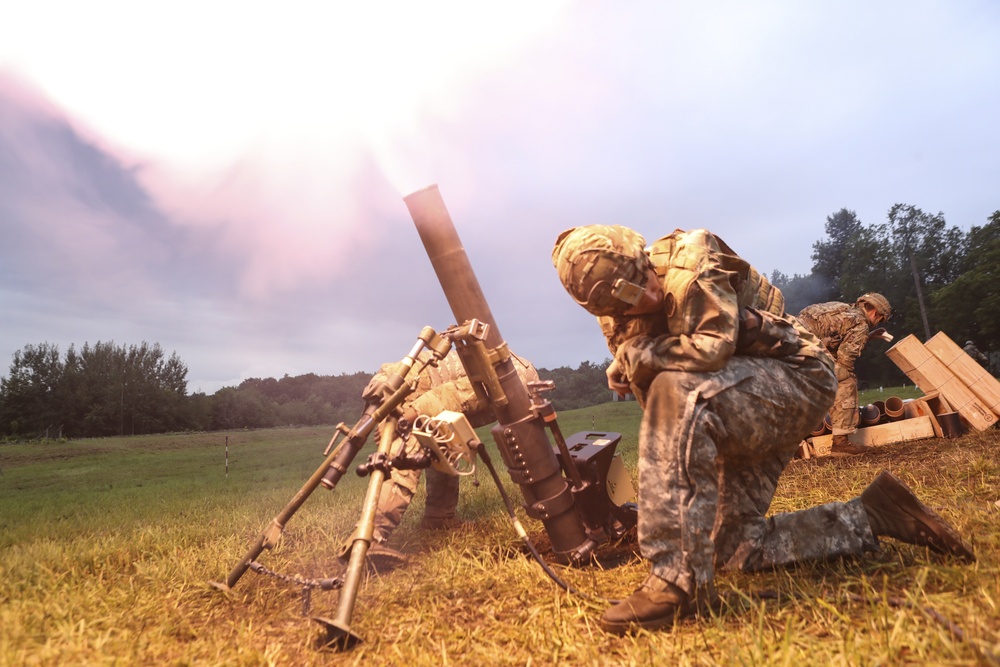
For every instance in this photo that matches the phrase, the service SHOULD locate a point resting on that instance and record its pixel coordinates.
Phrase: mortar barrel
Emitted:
(819, 429)
(870, 415)
(894, 408)
(533, 465)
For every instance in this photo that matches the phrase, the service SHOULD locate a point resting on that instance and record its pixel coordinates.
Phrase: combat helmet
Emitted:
(603, 267)
(878, 302)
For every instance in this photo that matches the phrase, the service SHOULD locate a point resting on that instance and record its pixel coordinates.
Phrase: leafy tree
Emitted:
(910, 229)
(197, 412)
(587, 385)
(31, 397)
(242, 408)
(908, 259)
(968, 308)
(864, 267)
(830, 257)
(102, 390)
(130, 390)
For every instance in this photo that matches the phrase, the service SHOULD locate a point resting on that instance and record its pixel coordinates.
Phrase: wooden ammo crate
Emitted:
(931, 374)
(916, 428)
(985, 387)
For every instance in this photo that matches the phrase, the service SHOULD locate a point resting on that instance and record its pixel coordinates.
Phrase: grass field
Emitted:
(106, 548)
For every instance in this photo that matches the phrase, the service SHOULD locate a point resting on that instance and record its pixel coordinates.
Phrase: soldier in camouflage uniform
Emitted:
(441, 387)
(973, 351)
(844, 330)
(729, 385)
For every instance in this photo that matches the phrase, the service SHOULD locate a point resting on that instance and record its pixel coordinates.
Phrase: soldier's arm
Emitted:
(707, 326)
(853, 343)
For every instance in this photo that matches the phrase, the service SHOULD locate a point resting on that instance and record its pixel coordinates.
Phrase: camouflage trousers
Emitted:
(711, 449)
(844, 413)
(398, 491)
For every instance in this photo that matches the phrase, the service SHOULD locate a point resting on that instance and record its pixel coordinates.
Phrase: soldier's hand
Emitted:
(880, 334)
(616, 382)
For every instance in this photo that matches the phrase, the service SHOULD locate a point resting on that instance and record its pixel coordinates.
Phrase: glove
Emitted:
(880, 334)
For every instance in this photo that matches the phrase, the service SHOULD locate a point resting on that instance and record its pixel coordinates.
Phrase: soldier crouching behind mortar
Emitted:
(729, 385)
(439, 388)
(844, 330)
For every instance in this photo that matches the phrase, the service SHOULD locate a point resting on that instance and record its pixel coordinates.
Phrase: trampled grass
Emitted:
(106, 548)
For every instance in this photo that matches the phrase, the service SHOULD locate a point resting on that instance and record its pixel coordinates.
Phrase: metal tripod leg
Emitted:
(272, 533)
(338, 629)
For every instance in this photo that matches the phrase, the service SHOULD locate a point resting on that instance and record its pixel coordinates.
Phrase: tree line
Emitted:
(936, 277)
(107, 390)
(102, 389)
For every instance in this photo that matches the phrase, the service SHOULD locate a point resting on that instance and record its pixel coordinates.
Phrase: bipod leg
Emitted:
(272, 533)
(338, 629)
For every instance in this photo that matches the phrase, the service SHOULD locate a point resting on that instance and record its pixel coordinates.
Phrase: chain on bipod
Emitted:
(329, 584)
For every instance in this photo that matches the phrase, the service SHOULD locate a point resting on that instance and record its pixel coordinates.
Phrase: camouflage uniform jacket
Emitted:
(842, 328)
(706, 288)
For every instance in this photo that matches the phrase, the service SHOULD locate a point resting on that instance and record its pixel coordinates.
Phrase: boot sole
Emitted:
(938, 534)
(664, 622)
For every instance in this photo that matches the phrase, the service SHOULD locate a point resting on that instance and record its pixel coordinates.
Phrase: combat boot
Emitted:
(895, 511)
(385, 559)
(655, 605)
(842, 446)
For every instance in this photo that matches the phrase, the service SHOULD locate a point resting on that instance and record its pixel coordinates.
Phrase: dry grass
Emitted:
(106, 548)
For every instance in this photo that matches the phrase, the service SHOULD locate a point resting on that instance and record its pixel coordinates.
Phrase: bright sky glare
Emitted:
(241, 200)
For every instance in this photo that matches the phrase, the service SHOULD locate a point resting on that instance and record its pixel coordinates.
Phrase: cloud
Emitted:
(239, 200)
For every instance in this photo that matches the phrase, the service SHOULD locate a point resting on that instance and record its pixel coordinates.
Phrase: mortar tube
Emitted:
(870, 415)
(539, 476)
(894, 408)
(819, 429)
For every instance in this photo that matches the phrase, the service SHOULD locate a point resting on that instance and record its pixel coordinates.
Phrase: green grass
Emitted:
(107, 545)
(881, 393)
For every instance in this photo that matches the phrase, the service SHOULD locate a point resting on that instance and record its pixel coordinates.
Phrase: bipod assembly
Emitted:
(339, 455)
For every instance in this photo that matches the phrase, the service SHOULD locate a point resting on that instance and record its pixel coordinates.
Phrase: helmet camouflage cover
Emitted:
(878, 302)
(603, 267)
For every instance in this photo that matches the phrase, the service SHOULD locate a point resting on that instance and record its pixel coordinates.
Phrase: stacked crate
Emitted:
(957, 390)
(943, 367)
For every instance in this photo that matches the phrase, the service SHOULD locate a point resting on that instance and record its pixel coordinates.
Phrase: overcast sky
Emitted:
(226, 178)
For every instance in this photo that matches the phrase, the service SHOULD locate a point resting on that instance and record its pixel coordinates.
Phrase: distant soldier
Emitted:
(973, 351)
(439, 388)
(845, 329)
